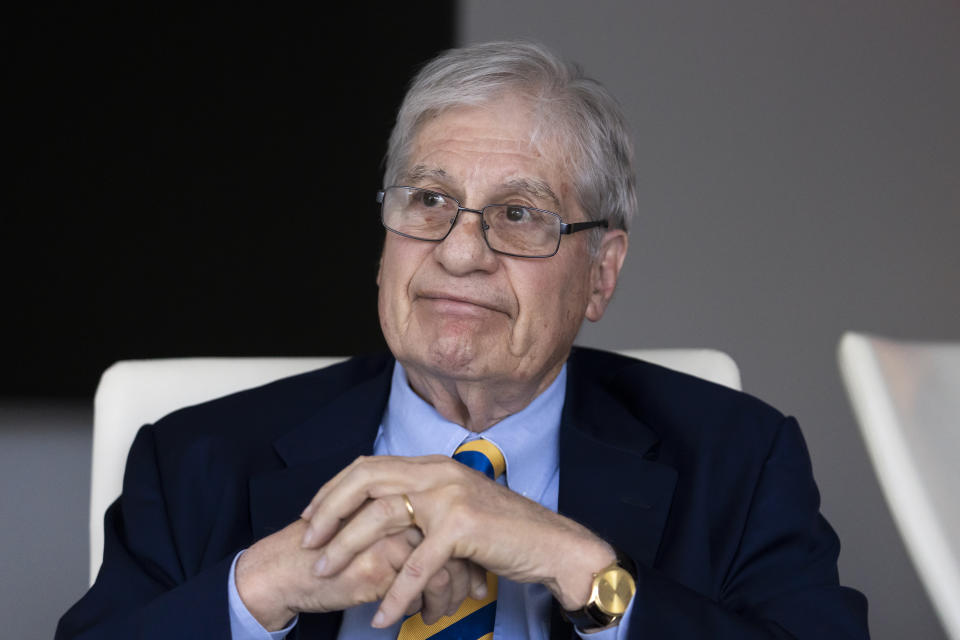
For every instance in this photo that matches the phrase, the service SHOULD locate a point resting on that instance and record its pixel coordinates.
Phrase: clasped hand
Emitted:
(463, 515)
(355, 543)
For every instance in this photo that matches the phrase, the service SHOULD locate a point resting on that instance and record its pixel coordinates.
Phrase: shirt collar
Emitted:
(528, 439)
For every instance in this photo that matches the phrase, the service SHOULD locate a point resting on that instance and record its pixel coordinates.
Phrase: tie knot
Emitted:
(483, 456)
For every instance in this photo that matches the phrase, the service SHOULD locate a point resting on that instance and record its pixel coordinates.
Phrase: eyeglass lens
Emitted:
(512, 229)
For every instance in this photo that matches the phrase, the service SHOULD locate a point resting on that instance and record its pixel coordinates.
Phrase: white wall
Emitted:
(799, 167)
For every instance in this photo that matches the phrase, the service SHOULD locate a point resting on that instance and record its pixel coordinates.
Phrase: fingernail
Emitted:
(378, 620)
(308, 538)
(320, 566)
(480, 592)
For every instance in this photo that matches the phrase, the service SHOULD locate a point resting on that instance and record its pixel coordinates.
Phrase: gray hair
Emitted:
(572, 109)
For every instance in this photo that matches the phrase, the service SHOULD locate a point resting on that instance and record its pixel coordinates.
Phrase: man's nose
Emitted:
(465, 249)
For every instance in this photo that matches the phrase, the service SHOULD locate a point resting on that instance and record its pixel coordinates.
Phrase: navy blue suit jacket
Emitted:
(709, 491)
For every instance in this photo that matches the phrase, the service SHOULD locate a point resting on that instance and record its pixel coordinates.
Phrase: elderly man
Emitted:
(517, 487)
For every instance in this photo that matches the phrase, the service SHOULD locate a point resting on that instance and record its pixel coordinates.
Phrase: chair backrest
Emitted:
(906, 397)
(132, 393)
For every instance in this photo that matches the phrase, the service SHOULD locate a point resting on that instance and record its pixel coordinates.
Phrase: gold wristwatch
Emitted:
(610, 594)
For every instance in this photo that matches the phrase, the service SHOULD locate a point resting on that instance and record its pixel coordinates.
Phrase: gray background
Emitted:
(798, 166)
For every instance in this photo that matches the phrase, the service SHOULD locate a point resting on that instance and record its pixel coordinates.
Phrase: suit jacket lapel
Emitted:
(312, 453)
(610, 480)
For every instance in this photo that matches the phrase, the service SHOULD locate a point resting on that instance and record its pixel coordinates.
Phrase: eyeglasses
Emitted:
(510, 229)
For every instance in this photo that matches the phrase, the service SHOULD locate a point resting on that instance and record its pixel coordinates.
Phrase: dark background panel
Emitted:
(196, 181)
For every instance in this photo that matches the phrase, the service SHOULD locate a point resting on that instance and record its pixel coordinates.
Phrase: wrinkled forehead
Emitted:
(509, 126)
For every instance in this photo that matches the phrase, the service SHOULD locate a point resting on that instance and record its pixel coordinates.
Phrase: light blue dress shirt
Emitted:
(529, 442)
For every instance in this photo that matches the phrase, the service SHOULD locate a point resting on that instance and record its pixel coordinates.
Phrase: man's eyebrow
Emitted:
(420, 172)
(534, 188)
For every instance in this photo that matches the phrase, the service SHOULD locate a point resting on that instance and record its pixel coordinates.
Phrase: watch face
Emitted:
(615, 588)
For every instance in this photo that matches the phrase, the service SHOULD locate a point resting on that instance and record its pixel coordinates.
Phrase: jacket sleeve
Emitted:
(143, 590)
(782, 581)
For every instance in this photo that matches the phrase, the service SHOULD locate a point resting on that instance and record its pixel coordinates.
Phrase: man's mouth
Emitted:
(460, 305)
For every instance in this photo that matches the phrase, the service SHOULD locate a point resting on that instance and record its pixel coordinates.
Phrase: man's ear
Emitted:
(604, 272)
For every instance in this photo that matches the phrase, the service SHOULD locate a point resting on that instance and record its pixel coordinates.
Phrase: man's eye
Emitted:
(516, 214)
(430, 199)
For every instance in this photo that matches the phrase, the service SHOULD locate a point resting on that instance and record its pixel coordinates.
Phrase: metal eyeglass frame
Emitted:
(566, 228)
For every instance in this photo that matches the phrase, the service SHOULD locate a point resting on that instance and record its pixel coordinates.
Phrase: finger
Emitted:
(414, 607)
(325, 516)
(371, 478)
(459, 588)
(328, 486)
(378, 519)
(373, 571)
(421, 565)
(413, 535)
(399, 548)
(334, 482)
(395, 549)
(478, 581)
(436, 596)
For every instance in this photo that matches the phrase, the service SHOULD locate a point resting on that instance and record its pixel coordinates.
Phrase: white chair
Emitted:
(906, 397)
(132, 393)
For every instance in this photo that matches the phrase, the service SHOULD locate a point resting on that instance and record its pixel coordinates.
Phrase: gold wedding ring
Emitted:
(409, 506)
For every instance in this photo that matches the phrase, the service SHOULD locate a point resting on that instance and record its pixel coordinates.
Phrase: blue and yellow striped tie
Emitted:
(474, 619)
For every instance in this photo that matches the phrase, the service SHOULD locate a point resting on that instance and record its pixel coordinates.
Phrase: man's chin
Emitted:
(451, 357)
(456, 357)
